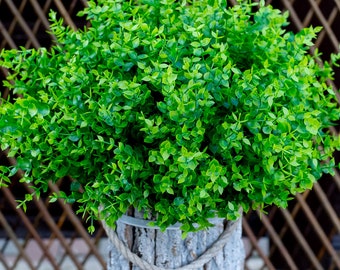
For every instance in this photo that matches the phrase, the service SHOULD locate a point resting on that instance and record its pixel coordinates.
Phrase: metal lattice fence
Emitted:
(304, 236)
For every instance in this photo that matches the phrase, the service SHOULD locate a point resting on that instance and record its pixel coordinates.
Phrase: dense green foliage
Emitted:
(183, 111)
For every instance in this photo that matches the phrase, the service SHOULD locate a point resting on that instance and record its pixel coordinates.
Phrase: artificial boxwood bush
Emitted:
(181, 110)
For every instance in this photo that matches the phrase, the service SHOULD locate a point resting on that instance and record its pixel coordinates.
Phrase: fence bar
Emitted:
(65, 14)
(23, 24)
(327, 206)
(79, 227)
(326, 26)
(7, 37)
(42, 18)
(14, 22)
(30, 227)
(253, 240)
(319, 230)
(41, 14)
(302, 241)
(49, 220)
(276, 239)
(13, 237)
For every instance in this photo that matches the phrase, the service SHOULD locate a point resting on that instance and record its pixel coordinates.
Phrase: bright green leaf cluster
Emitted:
(183, 111)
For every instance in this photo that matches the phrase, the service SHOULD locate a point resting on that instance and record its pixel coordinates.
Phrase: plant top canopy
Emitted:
(182, 109)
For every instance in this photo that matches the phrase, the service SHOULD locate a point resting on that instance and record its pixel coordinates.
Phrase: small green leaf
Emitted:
(312, 125)
(73, 137)
(204, 194)
(231, 206)
(53, 199)
(246, 141)
(75, 186)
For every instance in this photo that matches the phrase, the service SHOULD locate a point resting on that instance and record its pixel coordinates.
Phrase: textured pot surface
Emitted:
(168, 250)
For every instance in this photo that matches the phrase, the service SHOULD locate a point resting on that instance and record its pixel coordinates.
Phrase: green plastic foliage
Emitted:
(183, 111)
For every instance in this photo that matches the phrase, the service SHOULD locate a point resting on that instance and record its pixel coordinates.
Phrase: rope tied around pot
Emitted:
(199, 262)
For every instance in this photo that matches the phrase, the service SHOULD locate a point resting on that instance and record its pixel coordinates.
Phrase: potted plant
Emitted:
(182, 111)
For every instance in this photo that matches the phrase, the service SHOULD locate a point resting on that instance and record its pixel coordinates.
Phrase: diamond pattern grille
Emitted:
(304, 236)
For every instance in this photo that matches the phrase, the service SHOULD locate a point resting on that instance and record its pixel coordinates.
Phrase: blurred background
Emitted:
(306, 235)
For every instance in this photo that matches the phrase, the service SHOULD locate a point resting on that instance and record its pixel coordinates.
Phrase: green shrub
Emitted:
(181, 111)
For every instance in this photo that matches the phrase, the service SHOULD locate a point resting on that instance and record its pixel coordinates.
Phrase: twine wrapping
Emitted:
(199, 262)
